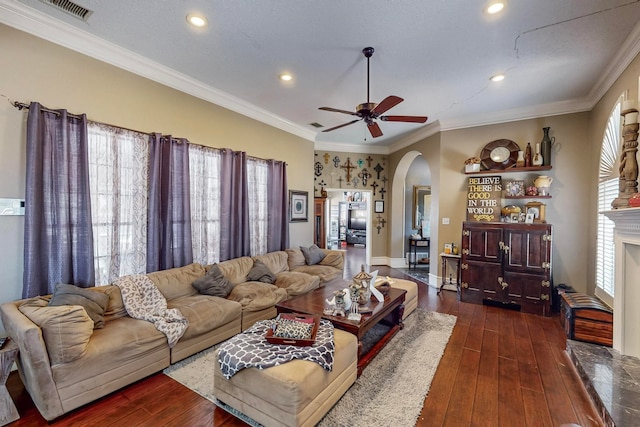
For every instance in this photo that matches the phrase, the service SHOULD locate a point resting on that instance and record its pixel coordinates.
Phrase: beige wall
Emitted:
(330, 175)
(34, 70)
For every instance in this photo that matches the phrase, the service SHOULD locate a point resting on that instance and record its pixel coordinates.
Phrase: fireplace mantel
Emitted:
(626, 302)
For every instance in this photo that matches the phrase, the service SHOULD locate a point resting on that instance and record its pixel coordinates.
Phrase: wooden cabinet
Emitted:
(319, 221)
(507, 264)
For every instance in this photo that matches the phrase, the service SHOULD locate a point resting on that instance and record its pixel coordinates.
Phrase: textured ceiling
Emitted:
(558, 56)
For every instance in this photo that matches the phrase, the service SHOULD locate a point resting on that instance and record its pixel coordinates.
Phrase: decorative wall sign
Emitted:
(483, 198)
(298, 206)
(378, 206)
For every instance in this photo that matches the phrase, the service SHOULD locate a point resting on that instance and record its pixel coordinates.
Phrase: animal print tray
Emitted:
(296, 317)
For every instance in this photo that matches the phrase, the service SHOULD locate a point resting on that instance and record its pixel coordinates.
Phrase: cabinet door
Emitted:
(527, 267)
(481, 265)
(482, 243)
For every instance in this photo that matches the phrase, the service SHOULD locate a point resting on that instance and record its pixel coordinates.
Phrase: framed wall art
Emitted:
(378, 206)
(298, 206)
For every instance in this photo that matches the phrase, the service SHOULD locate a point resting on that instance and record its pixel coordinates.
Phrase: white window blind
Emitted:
(608, 189)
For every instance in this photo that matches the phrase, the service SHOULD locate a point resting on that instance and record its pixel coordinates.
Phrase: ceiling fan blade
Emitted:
(374, 129)
(341, 126)
(335, 110)
(410, 119)
(386, 104)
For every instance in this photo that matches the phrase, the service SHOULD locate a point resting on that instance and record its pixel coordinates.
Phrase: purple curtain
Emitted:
(234, 205)
(277, 221)
(58, 236)
(169, 209)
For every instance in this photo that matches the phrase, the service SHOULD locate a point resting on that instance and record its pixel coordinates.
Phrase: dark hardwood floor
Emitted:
(500, 368)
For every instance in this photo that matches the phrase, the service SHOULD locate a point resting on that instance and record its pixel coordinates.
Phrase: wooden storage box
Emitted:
(586, 318)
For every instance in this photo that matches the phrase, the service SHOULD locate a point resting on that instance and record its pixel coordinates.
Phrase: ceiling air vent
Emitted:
(70, 7)
(316, 125)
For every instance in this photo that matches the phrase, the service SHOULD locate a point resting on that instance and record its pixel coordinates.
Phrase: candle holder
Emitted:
(628, 181)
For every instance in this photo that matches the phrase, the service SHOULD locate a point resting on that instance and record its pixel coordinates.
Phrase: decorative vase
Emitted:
(545, 147)
(527, 155)
(543, 183)
(538, 158)
(520, 161)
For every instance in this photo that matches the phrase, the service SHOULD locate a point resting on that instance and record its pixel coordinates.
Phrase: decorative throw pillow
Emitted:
(313, 254)
(287, 328)
(66, 329)
(260, 273)
(213, 283)
(94, 303)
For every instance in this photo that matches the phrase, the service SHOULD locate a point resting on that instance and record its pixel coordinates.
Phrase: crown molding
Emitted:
(418, 135)
(43, 26)
(343, 147)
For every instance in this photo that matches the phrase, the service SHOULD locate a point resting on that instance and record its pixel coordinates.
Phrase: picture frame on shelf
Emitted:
(378, 206)
(529, 218)
(514, 217)
(298, 206)
(514, 188)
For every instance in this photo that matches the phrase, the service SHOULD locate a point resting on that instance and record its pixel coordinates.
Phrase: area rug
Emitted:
(390, 391)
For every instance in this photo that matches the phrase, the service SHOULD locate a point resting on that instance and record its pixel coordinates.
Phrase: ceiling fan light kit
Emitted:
(370, 111)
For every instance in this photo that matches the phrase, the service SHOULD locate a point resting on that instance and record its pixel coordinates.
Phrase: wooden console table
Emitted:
(414, 244)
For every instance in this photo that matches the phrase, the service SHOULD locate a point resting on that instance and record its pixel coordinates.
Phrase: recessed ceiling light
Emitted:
(286, 77)
(494, 8)
(497, 78)
(197, 20)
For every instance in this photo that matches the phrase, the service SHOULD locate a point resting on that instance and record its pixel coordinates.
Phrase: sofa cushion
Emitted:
(256, 296)
(115, 308)
(334, 258)
(236, 269)
(295, 258)
(66, 329)
(276, 261)
(176, 282)
(312, 255)
(260, 273)
(205, 313)
(296, 283)
(213, 283)
(324, 272)
(94, 303)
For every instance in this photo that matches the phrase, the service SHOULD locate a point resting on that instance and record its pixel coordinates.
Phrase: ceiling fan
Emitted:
(370, 111)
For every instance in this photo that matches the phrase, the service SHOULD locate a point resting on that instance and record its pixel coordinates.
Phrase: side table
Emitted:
(414, 244)
(456, 260)
(8, 411)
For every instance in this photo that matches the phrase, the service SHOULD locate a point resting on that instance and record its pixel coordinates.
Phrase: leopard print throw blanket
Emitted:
(251, 349)
(143, 300)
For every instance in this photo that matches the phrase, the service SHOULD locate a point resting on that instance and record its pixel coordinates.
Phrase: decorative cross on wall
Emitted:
(340, 181)
(322, 183)
(382, 191)
(326, 158)
(336, 162)
(384, 180)
(378, 169)
(364, 175)
(369, 160)
(348, 166)
(318, 167)
(374, 185)
(355, 181)
(360, 163)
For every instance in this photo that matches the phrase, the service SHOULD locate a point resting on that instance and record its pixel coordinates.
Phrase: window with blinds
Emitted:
(608, 189)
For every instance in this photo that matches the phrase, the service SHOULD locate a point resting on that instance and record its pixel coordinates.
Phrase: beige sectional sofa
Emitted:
(65, 363)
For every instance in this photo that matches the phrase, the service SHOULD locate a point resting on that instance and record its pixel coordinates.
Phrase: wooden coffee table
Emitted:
(389, 311)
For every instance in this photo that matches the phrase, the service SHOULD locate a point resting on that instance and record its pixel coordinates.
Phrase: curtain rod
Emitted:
(22, 106)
